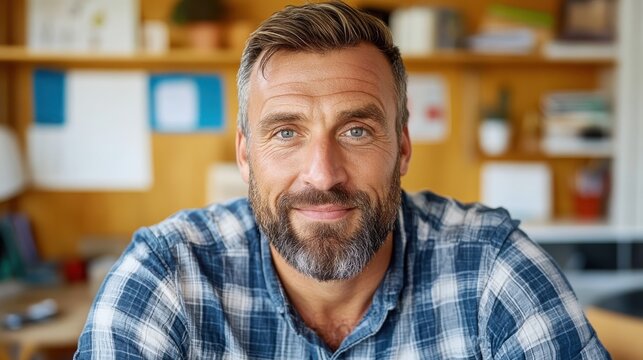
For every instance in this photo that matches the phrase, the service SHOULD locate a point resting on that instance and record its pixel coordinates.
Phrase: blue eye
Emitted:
(286, 134)
(356, 132)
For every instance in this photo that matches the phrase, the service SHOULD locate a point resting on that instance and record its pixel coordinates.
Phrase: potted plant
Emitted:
(202, 19)
(495, 130)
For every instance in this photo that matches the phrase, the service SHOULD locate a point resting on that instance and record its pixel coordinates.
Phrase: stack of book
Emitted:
(576, 124)
(511, 30)
(518, 41)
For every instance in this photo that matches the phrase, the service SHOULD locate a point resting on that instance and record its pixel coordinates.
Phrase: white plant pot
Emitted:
(494, 135)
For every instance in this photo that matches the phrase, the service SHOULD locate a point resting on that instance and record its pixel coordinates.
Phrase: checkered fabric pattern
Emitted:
(464, 283)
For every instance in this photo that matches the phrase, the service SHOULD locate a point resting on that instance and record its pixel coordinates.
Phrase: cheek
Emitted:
(272, 175)
(271, 155)
(371, 167)
(374, 174)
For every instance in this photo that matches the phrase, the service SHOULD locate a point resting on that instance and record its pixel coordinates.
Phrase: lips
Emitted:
(323, 212)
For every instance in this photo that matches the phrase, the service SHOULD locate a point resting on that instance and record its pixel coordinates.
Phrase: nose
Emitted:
(324, 165)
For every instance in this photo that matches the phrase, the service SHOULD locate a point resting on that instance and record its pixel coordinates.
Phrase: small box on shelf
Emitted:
(591, 189)
(586, 31)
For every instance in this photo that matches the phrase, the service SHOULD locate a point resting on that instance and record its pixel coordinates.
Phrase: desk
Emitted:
(621, 334)
(61, 331)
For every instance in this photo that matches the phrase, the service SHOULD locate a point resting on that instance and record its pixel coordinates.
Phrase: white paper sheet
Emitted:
(522, 188)
(80, 26)
(428, 108)
(105, 141)
(177, 103)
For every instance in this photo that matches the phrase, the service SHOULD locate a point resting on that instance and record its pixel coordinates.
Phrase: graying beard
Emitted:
(317, 261)
(348, 259)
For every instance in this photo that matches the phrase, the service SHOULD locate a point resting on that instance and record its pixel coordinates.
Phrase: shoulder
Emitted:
(219, 229)
(221, 226)
(444, 220)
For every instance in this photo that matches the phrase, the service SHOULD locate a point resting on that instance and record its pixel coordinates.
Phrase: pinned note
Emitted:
(428, 104)
(183, 102)
(104, 142)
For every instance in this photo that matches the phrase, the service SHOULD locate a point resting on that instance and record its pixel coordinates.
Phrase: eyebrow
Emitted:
(370, 111)
(272, 120)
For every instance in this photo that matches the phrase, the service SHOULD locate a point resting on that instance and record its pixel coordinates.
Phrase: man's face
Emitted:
(323, 159)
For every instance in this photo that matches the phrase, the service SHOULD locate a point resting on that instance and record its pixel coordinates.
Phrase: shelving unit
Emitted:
(450, 168)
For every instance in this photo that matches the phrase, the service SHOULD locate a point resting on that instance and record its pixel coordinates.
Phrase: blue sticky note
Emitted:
(49, 88)
(181, 102)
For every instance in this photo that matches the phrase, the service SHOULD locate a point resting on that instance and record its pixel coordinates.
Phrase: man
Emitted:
(328, 258)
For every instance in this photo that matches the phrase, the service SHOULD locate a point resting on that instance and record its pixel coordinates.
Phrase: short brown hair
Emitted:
(319, 28)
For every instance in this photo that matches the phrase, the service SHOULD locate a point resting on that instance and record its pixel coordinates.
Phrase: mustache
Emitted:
(337, 195)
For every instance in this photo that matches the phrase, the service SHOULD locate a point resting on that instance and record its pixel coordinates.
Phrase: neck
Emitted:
(333, 308)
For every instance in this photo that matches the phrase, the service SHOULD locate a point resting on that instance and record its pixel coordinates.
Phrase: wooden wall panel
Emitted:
(180, 162)
(17, 22)
(4, 84)
(4, 21)
(63, 219)
(447, 167)
(4, 207)
(4, 94)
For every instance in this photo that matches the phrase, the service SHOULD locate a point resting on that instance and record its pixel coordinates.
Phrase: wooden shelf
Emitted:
(541, 156)
(580, 232)
(474, 58)
(20, 54)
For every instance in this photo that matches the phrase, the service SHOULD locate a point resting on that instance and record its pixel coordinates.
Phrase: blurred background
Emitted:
(114, 114)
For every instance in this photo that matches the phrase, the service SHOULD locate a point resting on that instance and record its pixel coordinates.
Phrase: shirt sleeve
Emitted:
(529, 311)
(137, 313)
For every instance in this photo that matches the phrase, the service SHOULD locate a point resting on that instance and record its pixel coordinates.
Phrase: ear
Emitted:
(242, 155)
(405, 151)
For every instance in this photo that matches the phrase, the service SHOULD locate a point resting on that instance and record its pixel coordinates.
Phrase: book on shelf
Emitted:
(576, 124)
(513, 41)
(579, 50)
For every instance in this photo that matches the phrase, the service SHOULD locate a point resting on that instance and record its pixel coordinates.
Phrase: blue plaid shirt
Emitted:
(464, 283)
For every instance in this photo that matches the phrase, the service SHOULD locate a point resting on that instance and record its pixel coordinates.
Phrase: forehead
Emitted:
(359, 72)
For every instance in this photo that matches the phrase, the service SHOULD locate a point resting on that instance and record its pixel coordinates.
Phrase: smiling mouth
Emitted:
(324, 212)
